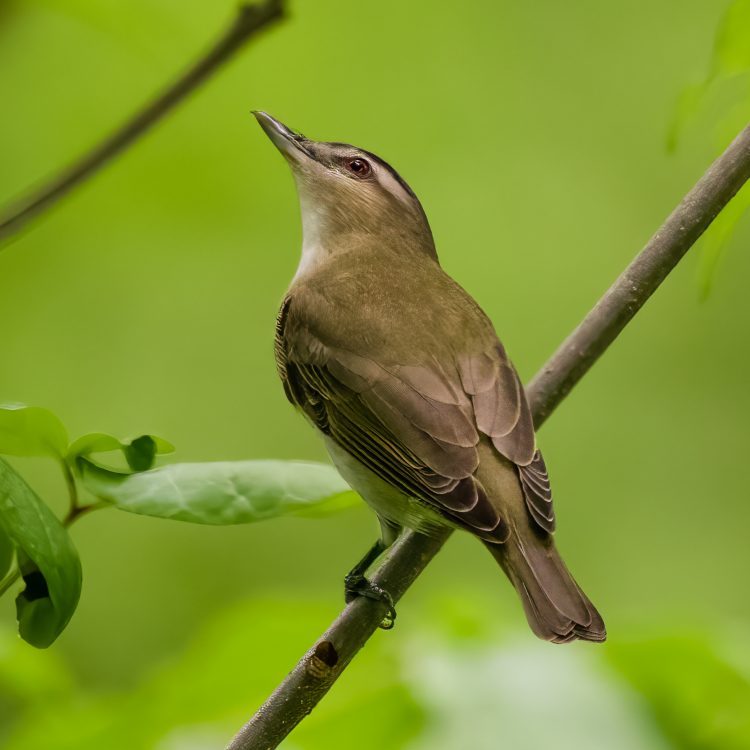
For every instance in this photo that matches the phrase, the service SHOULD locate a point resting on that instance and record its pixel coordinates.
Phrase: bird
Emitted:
(403, 374)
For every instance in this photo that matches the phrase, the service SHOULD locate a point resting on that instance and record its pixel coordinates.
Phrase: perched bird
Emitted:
(403, 374)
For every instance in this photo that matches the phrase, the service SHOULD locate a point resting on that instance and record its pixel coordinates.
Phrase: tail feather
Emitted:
(555, 606)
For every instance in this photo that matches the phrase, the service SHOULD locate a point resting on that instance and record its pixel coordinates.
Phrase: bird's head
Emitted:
(347, 193)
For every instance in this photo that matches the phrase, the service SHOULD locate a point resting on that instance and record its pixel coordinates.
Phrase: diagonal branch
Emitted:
(640, 279)
(249, 20)
(319, 668)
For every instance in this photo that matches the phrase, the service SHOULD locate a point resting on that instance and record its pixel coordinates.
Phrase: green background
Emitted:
(535, 135)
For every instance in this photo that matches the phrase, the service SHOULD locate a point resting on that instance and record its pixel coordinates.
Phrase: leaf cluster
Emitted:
(35, 545)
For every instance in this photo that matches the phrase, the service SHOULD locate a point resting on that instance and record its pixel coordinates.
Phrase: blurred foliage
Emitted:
(201, 698)
(708, 707)
(534, 135)
(423, 689)
(730, 60)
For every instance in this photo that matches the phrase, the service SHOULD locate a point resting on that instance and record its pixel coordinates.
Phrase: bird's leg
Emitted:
(355, 584)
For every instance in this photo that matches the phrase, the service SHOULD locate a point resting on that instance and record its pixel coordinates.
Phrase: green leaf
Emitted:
(139, 452)
(31, 431)
(224, 492)
(7, 551)
(94, 442)
(47, 558)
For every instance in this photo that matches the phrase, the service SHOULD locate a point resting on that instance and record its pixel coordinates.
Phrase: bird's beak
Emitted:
(292, 145)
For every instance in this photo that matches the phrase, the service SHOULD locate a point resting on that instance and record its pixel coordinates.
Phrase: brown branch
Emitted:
(641, 278)
(319, 668)
(249, 20)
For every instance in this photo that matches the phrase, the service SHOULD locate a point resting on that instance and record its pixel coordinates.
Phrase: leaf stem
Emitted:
(9, 580)
(81, 510)
(70, 483)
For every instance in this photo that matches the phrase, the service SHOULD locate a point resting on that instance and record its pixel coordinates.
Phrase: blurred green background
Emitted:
(535, 135)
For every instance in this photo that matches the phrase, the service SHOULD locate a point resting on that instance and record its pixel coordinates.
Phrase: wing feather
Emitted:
(537, 492)
(417, 426)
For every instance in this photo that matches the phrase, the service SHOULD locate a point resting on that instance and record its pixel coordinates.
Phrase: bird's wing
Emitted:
(502, 413)
(417, 426)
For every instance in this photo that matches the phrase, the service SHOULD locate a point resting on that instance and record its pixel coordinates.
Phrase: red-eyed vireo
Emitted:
(404, 376)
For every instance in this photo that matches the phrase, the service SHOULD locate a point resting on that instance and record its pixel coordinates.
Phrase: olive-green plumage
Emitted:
(403, 374)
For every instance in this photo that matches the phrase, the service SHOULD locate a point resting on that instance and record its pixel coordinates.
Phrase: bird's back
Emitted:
(390, 308)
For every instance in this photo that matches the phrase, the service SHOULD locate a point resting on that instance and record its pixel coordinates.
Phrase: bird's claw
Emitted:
(357, 585)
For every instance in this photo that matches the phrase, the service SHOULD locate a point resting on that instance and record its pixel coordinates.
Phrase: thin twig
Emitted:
(249, 20)
(319, 668)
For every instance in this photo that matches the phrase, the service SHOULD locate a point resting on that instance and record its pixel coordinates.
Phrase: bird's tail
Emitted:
(555, 606)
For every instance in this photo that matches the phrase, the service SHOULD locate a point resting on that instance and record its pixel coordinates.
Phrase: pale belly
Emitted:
(390, 504)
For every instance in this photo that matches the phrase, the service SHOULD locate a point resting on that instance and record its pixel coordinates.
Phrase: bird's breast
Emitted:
(388, 502)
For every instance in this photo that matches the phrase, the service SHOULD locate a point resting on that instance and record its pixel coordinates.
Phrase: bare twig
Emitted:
(319, 668)
(249, 20)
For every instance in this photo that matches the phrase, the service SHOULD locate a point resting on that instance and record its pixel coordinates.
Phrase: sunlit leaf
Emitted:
(47, 558)
(31, 431)
(222, 492)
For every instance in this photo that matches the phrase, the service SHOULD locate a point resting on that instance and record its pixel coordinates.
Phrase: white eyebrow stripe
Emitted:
(391, 184)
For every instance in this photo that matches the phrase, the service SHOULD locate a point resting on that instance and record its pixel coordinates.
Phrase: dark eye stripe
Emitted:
(375, 159)
(396, 176)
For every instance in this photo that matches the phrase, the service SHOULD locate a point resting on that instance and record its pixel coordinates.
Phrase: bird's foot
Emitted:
(355, 584)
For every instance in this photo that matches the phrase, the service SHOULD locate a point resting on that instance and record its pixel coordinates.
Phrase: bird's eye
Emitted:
(359, 167)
